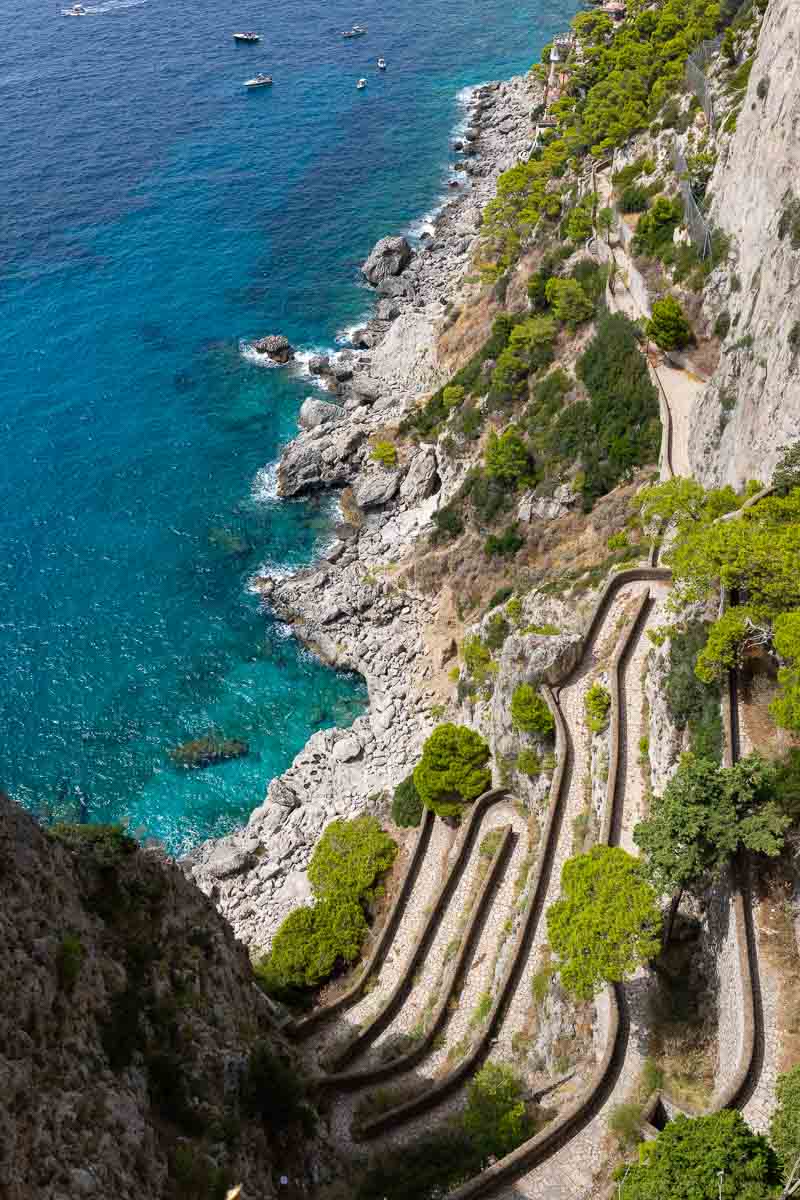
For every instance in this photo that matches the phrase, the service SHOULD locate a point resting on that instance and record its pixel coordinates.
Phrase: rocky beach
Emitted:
(349, 608)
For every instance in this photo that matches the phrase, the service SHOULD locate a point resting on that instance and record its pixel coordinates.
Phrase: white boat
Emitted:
(381, 64)
(355, 32)
(247, 37)
(77, 10)
(258, 81)
(362, 83)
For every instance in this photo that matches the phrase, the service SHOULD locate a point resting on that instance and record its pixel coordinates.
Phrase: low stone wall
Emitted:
(347, 1080)
(403, 985)
(306, 1025)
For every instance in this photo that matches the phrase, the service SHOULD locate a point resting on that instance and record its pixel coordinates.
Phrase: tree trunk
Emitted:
(671, 914)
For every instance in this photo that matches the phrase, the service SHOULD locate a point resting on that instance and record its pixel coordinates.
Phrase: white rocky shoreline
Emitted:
(346, 607)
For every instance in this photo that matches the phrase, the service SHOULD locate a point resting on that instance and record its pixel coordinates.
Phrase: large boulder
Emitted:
(368, 390)
(376, 487)
(394, 287)
(314, 412)
(422, 479)
(389, 256)
(324, 456)
(276, 347)
(319, 364)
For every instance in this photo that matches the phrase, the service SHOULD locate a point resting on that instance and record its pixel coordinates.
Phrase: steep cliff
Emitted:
(752, 406)
(137, 1057)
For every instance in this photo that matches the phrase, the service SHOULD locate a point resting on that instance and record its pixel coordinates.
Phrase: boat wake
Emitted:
(97, 10)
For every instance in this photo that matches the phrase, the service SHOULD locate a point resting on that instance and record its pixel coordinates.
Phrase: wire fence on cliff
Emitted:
(698, 226)
(696, 64)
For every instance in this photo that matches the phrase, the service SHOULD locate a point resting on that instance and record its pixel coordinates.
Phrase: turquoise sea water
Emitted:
(154, 213)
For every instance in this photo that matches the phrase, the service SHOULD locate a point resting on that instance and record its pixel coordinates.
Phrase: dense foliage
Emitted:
(406, 804)
(495, 1121)
(756, 554)
(349, 858)
(669, 327)
(452, 770)
(703, 1158)
(529, 710)
(784, 1130)
(597, 703)
(606, 922)
(705, 815)
(313, 941)
(694, 704)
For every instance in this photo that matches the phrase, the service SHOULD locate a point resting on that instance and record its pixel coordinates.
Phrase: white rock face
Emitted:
(752, 407)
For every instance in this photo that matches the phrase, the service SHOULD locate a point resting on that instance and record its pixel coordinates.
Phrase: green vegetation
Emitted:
(704, 1158)
(495, 1118)
(705, 815)
(452, 770)
(657, 226)
(669, 328)
(757, 554)
(505, 544)
(309, 945)
(529, 763)
(349, 858)
(784, 1130)
(616, 90)
(618, 428)
(314, 941)
(597, 703)
(606, 922)
(530, 712)
(497, 630)
(385, 453)
(692, 703)
(633, 199)
(477, 658)
(406, 804)
(106, 844)
(569, 301)
(507, 456)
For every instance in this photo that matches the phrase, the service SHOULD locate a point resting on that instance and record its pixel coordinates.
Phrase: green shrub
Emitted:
(691, 702)
(597, 703)
(529, 763)
(505, 544)
(669, 327)
(349, 858)
(569, 302)
(529, 710)
(625, 1122)
(425, 1169)
(453, 395)
(453, 769)
(310, 943)
(507, 456)
(784, 1130)
(477, 658)
(495, 1118)
(406, 804)
(449, 523)
(271, 1089)
(385, 453)
(578, 225)
(633, 199)
(69, 957)
(497, 630)
(105, 844)
(722, 325)
(656, 227)
(789, 222)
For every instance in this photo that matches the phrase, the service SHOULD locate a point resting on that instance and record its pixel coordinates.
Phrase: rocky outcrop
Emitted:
(276, 347)
(376, 487)
(390, 256)
(128, 1025)
(315, 412)
(323, 456)
(752, 407)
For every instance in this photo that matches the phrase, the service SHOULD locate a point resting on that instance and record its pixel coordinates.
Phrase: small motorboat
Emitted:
(77, 10)
(247, 37)
(362, 83)
(381, 64)
(258, 81)
(355, 32)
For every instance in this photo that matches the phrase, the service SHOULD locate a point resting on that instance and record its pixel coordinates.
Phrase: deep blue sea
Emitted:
(153, 214)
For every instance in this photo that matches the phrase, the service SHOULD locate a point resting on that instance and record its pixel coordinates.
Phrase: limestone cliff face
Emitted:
(752, 407)
(128, 1026)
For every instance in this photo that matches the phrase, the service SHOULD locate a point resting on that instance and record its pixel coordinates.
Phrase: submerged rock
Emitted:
(389, 256)
(208, 750)
(276, 347)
